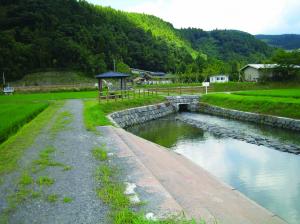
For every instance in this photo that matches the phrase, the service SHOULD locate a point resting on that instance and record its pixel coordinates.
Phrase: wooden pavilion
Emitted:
(112, 75)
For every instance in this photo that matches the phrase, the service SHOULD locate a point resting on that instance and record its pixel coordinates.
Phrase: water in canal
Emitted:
(267, 176)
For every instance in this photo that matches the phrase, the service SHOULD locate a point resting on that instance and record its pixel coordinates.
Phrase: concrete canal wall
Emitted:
(274, 121)
(140, 115)
(126, 118)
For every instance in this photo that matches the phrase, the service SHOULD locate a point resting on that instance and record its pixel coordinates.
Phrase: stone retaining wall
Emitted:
(274, 121)
(140, 115)
(191, 100)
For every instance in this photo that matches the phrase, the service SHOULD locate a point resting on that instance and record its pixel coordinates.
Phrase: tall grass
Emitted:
(14, 116)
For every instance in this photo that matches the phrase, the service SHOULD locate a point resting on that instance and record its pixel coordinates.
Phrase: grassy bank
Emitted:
(278, 106)
(12, 149)
(95, 112)
(14, 116)
(243, 86)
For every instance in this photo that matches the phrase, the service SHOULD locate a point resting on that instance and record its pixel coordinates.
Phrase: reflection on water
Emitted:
(283, 135)
(166, 131)
(267, 176)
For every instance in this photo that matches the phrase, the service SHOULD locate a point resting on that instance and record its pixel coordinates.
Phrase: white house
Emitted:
(252, 72)
(219, 78)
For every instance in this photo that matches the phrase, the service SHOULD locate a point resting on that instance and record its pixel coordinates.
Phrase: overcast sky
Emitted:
(253, 16)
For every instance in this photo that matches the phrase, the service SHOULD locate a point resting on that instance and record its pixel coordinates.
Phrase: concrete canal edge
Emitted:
(280, 122)
(193, 103)
(139, 115)
(196, 191)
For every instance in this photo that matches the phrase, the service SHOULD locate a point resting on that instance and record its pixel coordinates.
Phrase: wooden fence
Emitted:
(107, 95)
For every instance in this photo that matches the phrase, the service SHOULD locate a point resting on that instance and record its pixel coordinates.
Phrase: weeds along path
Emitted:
(56, 182)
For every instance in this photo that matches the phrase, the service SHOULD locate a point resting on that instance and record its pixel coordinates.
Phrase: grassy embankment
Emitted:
(19, 109)
(284, 102)
(12, 149)
(95, 113)
(230, 86)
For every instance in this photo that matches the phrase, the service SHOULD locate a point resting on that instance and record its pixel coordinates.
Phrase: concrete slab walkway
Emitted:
(187, 187)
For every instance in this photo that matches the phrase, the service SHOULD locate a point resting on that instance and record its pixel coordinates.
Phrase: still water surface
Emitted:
(267, 176)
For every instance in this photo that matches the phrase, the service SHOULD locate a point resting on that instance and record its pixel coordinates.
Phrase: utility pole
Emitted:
(114, 65)
(3, 79)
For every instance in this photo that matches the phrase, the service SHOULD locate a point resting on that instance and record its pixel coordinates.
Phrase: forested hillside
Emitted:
(227, 45)
(36, 35)
(285, 41)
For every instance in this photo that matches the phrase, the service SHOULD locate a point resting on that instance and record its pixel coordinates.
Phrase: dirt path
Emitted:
(56, 181)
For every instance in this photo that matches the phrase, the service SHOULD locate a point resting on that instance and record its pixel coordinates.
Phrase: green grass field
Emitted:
(34, 97)
(285, 102)
(18, 109)
(289, 93)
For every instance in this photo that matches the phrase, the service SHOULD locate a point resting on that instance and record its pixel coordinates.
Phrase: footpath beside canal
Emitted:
(170, 183)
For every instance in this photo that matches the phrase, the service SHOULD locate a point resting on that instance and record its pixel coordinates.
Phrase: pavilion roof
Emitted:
(111, 75)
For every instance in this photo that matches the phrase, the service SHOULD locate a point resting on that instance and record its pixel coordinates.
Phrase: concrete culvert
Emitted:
(183, 107)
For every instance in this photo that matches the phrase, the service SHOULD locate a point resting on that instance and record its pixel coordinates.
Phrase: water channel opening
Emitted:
(183, 108)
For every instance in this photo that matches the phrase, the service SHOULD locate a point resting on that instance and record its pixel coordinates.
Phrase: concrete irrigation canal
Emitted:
(207, 166)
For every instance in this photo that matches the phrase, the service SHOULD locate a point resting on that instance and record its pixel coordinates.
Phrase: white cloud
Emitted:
(255, 16)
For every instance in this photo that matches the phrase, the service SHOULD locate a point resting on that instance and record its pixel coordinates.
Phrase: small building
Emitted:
(253, 72)
(219, 78)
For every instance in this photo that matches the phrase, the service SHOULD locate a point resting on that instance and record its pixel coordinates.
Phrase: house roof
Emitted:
(219, 75)
(111, 75)
(259, 66)
(264, 66)
(158, 73)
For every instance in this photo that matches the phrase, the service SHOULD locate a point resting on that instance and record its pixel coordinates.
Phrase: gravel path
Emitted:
(74, 180)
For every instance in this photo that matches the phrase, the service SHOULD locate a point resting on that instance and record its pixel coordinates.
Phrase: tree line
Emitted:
(76, 35)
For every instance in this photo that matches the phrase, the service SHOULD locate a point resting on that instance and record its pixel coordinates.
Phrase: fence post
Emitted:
(107, 96)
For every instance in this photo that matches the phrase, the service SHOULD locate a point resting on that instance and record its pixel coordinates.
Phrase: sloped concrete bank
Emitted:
(171, 184)
(281, 122)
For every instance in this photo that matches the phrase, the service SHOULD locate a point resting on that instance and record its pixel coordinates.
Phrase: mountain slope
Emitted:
(228, 45)
(162, 29)
(39, 34)
(74, 35)
(285, 41)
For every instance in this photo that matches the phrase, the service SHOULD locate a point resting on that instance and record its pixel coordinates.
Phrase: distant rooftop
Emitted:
(140, 71)
(260, 66)
(264, 66)
(111, 75)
